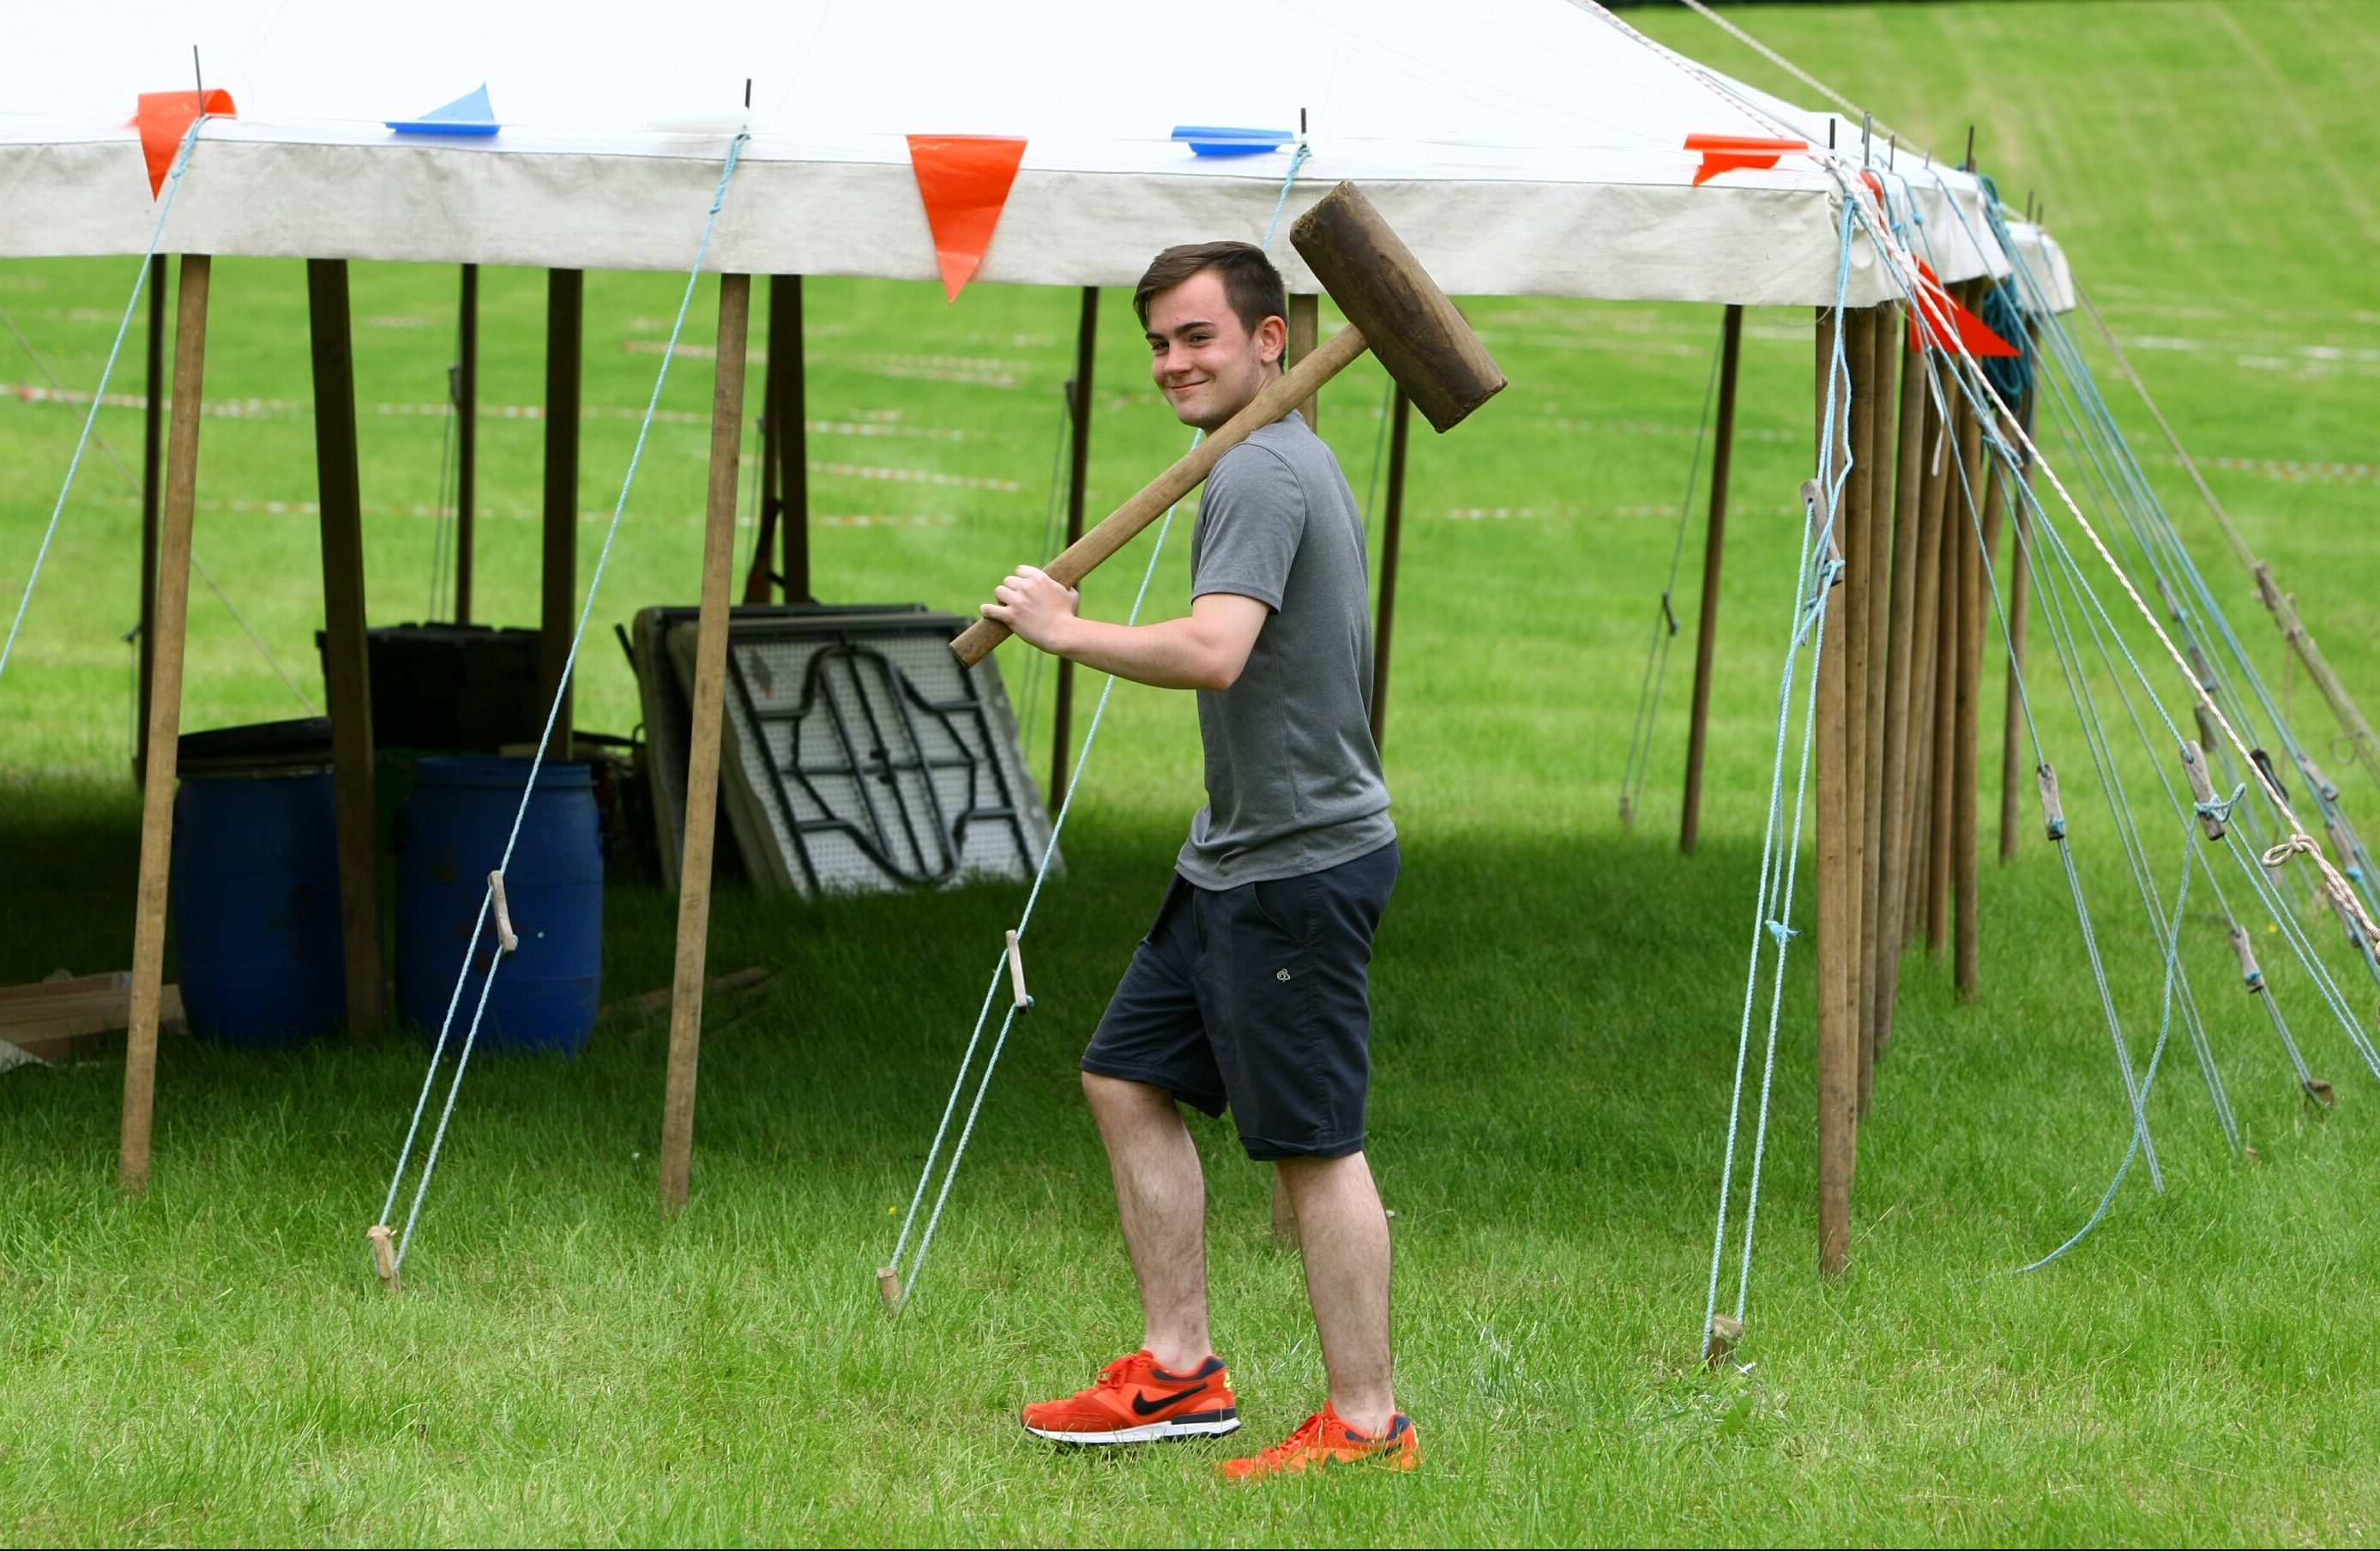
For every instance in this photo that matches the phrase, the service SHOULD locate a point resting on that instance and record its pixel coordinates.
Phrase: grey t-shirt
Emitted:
(1292, 777)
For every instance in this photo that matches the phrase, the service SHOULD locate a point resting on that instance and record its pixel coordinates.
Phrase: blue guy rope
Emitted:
(1814, 576)
(537, 762)
(99, 395)
(1041, 874)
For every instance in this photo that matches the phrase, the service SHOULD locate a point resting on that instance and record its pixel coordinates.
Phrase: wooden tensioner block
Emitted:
(2247, 952)
(2322, 783)
(384, 1254)
(1718, 1345)
(2053, 811)
(888, 1287)
(2202, 788)
(1813, 499)
(504, 934)
(1016, 974)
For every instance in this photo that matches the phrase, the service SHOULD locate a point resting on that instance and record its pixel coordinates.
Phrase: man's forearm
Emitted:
(1170, 655)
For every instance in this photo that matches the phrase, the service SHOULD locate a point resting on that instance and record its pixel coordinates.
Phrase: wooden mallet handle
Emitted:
(1084, 555)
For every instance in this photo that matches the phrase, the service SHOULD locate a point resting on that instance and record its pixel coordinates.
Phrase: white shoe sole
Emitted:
(1156, 1432)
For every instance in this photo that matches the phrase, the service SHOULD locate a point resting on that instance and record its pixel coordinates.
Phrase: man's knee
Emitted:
(1121, 1096)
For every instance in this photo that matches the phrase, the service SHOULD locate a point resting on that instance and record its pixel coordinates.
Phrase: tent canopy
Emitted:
(1522, 147)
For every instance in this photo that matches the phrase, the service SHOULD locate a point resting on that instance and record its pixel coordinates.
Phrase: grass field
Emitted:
(1557, 999)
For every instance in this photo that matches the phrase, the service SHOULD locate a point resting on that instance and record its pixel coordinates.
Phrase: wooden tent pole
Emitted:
(2012, 738)
(1901, 656)
(1883, 360)
(789, 379)
(1942, 805)
(1977, 530)
(760, 576)
(1706, 625)
(346, 665)
(152, 438)
(702, 762)
(164, 726)
(566, 307)
(466, 443)
(1933, 460)
(1304, 331)
(1393, 528)
(1853, 533)
(1078, 468)
(1838, 1140)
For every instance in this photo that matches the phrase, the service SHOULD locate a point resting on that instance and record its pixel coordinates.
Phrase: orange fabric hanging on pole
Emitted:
(964, 181)
(1937, 320)
(164, 118)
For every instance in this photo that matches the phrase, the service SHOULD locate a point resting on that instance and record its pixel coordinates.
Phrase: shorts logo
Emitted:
(1281, 974)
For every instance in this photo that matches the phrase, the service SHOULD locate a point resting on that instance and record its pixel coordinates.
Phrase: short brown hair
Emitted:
(1250, 283)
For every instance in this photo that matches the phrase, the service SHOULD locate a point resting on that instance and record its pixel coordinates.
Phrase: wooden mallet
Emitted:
(1393, 308)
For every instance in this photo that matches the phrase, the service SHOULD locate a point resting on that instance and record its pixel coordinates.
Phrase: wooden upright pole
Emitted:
(1838, 1140)
(1899, 670)
(1393, 528)
(346, 668)
(1942, 809)
(152, 438)
(1977, 532)
(565, 304)
(165, 726)
(1925, 678)
(760, 577)
(1304, 331)
(2013, 721)
(466, 443)
(1853, 533)
(1706, 625)
(702, 761)
(789, 380)
(1078, 468)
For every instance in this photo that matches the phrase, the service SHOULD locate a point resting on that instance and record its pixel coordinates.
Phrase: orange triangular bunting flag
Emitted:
(964, 181)
(1938, 319)
(163, 118)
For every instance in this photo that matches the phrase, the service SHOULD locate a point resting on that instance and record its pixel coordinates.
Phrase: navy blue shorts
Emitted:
(1257, 999)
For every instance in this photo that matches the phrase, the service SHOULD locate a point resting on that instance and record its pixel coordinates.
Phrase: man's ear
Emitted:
(1273, 338)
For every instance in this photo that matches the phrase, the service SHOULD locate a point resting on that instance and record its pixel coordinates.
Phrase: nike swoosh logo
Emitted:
(1141, 1406)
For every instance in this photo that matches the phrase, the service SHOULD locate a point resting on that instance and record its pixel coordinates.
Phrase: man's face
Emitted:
(1207, 363)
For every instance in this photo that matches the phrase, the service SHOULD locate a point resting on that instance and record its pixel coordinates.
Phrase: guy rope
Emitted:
(389, 1258)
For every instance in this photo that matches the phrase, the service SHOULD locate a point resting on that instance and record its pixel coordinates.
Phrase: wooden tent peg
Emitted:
(1720, 1344)
(504, 934)
(1016, 974)
(2320, 1092)
(2319, 781)
(2202, 789)
(384, 1254)
(888, 1287)
(2053, 811)
(2247, 952)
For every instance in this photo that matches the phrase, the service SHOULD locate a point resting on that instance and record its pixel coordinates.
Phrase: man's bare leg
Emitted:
(1161, 1197)
(1344, 1235)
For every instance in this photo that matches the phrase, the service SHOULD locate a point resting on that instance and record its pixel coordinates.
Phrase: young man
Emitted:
(1249, 991)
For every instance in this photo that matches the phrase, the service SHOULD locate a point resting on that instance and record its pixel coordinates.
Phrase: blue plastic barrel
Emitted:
(450, 837)
(256, 907)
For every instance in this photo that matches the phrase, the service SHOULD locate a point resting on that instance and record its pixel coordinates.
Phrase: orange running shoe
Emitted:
(1136, 1402)
(1322, 1439)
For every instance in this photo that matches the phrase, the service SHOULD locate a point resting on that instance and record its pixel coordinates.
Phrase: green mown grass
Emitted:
(1557, 999)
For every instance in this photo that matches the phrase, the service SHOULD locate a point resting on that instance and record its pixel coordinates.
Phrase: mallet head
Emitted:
(1406, 320)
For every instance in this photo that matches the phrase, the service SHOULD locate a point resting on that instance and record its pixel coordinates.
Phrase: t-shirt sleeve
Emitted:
(1253, 515)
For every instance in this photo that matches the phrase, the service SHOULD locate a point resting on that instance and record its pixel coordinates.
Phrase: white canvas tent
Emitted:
(1522, 147)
